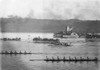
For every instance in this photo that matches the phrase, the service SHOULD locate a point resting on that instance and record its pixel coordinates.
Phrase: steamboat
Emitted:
(67, 33)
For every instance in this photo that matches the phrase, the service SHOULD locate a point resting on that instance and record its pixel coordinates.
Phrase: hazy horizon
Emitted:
(51, 9)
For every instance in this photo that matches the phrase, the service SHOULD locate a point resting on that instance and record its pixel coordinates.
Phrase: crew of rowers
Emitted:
(70, 59)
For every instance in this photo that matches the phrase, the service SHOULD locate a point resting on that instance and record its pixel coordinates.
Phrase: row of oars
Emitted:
(70, 59)
(14, 52)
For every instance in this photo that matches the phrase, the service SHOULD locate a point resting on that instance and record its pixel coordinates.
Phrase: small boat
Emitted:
(60, 44)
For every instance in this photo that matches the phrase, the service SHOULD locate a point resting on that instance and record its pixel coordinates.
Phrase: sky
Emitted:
(51, 9)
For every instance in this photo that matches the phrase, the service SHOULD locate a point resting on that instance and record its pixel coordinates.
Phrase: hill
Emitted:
(47, 25)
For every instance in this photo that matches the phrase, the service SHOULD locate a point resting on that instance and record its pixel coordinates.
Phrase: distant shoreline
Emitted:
(47, 26)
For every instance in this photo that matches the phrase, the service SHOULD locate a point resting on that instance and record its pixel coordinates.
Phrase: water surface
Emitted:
(22, 62)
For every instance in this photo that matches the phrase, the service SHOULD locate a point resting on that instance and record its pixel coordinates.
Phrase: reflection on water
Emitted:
(22, 62)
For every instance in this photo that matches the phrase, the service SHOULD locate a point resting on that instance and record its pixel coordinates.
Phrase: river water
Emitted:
(22, 62)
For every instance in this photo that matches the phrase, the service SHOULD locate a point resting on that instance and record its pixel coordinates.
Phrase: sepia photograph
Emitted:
(49, 34)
